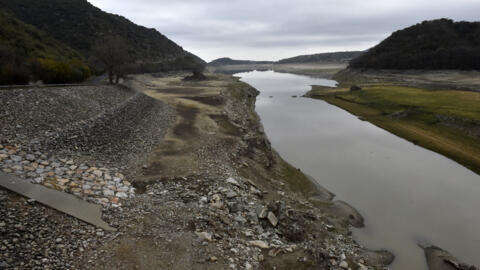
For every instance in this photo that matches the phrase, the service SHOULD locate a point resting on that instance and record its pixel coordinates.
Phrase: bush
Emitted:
(52, 71)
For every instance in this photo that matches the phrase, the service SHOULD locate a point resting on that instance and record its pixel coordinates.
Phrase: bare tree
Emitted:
(112, 52)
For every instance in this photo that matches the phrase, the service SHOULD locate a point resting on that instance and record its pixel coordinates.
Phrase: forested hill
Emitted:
(27, 41)
(229, 61)
(333, 57)
(79, 24)
(437, 44)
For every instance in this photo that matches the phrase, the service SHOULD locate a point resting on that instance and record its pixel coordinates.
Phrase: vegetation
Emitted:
(79, 24)
(333, 57)
(112, 52)
(229, 61)
(437, 44)
(445, 121)
(49, 40)
(27, 54)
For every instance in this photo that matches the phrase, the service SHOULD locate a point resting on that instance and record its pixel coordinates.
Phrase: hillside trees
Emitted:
(113, 54)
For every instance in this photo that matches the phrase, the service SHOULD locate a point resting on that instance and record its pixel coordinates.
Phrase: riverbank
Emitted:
(444, 121)
(317, 70)
(210, 192)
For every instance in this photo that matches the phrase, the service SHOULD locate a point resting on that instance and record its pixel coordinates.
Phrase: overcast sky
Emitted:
(275, 29)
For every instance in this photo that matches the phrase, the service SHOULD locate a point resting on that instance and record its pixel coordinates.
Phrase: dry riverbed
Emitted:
(184, 173)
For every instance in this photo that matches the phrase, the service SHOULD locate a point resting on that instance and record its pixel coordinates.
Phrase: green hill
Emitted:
(334, 57)
(229, 61)
(79, 24)
(28, 41)
(437, 44)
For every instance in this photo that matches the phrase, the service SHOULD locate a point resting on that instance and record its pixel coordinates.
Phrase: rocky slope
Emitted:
(210, 191)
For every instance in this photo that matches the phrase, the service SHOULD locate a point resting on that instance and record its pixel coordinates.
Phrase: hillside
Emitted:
(79, 24)
(28, 41)
(437, 44)
(229, 61)
(333, 57)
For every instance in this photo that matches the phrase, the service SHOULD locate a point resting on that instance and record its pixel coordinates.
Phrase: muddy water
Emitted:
(407, 194)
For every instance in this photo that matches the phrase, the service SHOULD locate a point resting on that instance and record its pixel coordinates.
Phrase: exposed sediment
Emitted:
(212, 194)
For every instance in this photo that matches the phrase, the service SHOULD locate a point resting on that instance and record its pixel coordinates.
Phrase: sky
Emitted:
(276, 29)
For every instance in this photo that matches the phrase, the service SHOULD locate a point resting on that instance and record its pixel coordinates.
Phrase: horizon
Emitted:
(248, 30)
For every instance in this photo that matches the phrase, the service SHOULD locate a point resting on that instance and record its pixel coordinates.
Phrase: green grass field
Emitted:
(445, 121)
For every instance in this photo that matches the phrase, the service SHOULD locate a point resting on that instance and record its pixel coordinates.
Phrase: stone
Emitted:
(16, 158)
(240, 219)
(98, 173)
(233, 181)
(213, 259)
(86, 187)
(108, 192)
(343, 265)
(272, 218)
(262, 212)
(7, 170)
(73, 167)
(216, 201)
(204, 236)
(3, 156)
(231, 194)
(259, 244)
(30, 157)
(248, 266)
(58, 240)
(107, 177)
(122, 195)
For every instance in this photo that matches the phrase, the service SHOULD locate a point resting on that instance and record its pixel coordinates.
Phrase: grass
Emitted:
(418, 115)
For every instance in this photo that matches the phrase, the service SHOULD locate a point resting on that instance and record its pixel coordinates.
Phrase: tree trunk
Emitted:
(110, 76)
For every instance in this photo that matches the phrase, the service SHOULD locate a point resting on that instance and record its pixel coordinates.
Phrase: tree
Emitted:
(112, 52)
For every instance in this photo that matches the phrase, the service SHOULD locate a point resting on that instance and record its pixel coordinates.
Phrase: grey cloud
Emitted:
(272, 29)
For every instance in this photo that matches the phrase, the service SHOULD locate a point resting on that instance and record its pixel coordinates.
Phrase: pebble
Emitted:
(273, 219)
(204, 236)
(259, 243)
(343, 265)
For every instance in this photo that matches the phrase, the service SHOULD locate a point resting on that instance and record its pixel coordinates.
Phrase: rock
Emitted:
(439, 259)
(259, 244)
(30, 157)
(122, 195)
(204, 236)
(98, 173)
(240, 219)
(272, 218)
(262, 212)
(216, 201)
(343, 265)
(355, 88)
(348, 213)
(231, 194)
(248, 266)
(213, 259)
(377, 258)
(108, 192)
(58, 240)
(16, 158)
(233, 181)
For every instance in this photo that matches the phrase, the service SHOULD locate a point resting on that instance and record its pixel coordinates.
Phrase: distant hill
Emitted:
(437, 44)
(79, 24)
(229, 61)
(333, 57)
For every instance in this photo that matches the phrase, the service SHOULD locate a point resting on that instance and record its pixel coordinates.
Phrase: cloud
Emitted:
(273, 29)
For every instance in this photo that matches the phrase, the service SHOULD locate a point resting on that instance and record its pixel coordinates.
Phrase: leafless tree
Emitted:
(112, 52)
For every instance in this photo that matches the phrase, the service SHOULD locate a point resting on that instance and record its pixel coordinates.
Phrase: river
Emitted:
(407, 194)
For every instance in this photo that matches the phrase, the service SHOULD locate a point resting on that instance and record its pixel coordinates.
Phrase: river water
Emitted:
(407, 194)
